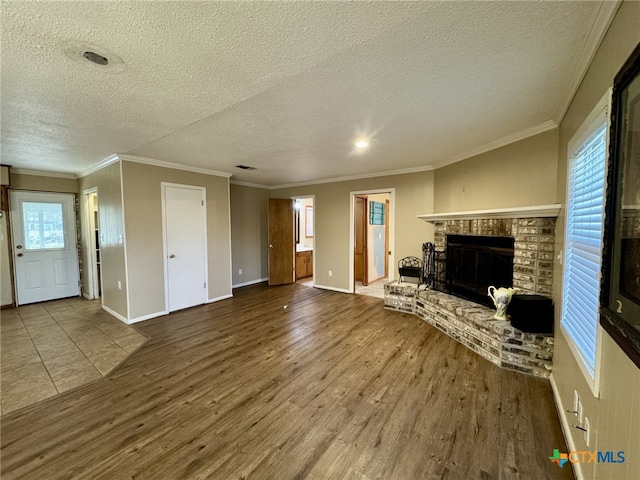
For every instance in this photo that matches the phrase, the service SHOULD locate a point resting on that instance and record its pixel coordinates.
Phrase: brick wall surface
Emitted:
(533, 248)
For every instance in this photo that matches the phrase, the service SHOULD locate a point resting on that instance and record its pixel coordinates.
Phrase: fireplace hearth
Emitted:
(529, 233)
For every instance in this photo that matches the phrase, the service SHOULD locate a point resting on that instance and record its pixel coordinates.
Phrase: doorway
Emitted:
(184, 218)
(304, 224)
(360, 250)
(45, 252)
(92, 244)
(372, 240)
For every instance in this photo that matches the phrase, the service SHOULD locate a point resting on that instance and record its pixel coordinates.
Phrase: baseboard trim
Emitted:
(217, 299)
(87, 296)
(148, 317)
(133, 320)
(566, 428)
(250, 282)
(115, 314)
(333, 289)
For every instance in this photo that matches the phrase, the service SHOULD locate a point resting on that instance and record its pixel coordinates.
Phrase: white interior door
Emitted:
(45, 252)
(185, 232)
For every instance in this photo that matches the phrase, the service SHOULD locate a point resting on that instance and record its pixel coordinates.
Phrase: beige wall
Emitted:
(112, 255)
(414, 195)
(143, 225)
(249, 233)
(6, 283)
(4, 175)
(615, 416)
(43, 183)
(517, 175)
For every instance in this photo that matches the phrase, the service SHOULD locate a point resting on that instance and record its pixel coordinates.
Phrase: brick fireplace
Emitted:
(473, 325)
(533, 248)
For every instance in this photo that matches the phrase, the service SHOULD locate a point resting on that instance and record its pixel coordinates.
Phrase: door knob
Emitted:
(270, 246)
(20, 254)
(171, 255)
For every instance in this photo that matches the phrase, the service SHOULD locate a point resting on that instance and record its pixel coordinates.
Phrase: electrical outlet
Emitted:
(587, 430)
(239, 271)
(331, 273)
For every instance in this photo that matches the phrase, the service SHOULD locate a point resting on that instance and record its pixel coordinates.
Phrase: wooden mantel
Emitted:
(536, 211)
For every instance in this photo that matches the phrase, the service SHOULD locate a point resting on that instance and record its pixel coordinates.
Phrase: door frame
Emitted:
(90, 246)
(352, 234)
(313, 200)
(165, 251)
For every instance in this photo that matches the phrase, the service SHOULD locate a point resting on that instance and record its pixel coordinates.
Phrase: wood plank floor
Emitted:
(331, 387)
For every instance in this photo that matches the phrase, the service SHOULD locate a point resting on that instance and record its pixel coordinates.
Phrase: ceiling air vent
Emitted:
(96, 58)
(245, 167)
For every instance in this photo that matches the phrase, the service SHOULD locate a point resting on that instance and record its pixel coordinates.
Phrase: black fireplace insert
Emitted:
(473, 263)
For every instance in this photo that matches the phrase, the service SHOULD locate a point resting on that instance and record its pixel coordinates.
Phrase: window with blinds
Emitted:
(583, 241)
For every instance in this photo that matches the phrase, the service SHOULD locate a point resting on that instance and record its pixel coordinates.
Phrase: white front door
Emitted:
(45, 252)
(185, 231)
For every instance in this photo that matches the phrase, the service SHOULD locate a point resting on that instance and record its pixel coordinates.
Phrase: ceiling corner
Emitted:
(600, 22)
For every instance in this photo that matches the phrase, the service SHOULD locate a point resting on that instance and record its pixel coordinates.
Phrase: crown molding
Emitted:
(101, 164)
(598, 26)
(386, 173)
(42, 173)
(116, 157)
(176, 166)
(249, 184)
(501, 142)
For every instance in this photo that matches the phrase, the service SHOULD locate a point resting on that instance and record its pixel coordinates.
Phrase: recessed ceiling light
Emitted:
(362, 144)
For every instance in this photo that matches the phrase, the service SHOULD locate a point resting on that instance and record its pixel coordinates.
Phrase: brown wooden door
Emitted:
(360, 254)
(281, 241)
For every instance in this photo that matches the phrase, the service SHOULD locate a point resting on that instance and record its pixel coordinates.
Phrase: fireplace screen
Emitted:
(473, 263)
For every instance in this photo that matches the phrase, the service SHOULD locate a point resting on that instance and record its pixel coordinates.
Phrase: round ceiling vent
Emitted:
(93, 55)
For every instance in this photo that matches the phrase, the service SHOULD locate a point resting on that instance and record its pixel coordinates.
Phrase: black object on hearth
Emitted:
(531, 313)
(411, 267)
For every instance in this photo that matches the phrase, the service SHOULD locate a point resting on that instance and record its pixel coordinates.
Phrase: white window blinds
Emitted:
(583, 244)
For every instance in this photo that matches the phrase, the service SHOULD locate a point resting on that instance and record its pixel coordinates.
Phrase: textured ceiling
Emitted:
(285, 87)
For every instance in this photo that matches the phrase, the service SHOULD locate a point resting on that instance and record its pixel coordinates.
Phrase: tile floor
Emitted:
(307, 282)
(375, 289)
(48, 348)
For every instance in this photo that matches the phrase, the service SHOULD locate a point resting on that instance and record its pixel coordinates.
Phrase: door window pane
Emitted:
(43, 226)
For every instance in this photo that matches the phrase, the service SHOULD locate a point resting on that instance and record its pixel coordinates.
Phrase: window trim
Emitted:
(599, 116)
